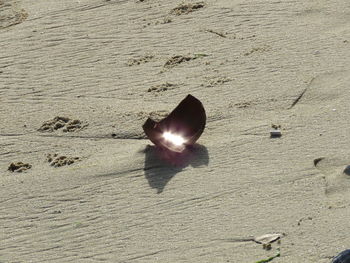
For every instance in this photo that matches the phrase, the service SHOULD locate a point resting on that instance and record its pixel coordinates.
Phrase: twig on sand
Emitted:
(301, 94)
(298, 98)
(270, 258)
(216, 33)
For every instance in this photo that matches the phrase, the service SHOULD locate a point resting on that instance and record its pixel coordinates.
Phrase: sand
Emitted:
(108, 65)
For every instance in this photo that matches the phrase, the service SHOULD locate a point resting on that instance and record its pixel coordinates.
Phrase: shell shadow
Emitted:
(336, 171)
(162, 165)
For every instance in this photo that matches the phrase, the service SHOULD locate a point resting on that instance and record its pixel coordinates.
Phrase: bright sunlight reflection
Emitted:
(175, 139)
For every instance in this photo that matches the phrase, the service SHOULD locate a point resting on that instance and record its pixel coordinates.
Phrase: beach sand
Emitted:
(108, 65)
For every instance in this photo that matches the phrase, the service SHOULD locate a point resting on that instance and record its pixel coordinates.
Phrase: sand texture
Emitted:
(78, 78)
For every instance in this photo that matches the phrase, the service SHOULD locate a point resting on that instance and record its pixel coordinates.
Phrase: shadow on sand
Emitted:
(161, 165)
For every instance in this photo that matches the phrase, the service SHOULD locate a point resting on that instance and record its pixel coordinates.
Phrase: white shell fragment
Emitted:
(268, 238)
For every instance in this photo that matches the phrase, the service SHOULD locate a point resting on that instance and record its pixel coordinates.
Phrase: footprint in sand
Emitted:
(162, 87)
(19, 167)
(215, 81)
(336, 172)
(186, 8)
(56, 160)
(257, 50)
(140, 60)
(155, 115)
(64, 123)
(11, 14)
(178, 59)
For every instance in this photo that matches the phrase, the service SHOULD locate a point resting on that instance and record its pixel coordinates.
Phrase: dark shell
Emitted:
(347, 170)
(187, 119)
(343, 257)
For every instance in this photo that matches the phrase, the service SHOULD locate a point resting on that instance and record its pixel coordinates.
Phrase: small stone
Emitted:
(275, 133)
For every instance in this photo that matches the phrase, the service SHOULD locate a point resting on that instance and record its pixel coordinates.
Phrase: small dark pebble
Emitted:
(114, 135)
(275, 133)
(343, 257)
